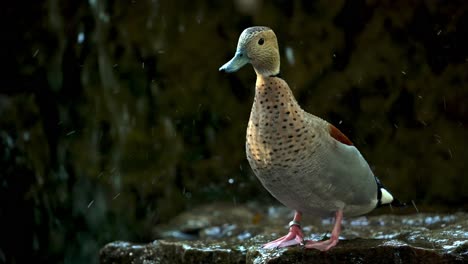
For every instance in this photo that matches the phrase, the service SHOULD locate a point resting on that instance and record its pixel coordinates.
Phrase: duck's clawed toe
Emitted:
(294, 237)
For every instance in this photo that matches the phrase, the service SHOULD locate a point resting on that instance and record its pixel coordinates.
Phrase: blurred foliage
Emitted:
(114, 117)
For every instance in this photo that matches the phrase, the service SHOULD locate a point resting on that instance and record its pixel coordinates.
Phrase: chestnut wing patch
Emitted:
(338, 135)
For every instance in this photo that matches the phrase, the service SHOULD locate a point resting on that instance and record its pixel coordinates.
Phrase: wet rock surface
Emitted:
(234, 234)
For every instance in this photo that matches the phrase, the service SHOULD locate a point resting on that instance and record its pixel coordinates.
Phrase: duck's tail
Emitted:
(385, 198)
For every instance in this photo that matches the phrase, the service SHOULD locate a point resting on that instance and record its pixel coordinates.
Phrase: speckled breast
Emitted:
(293, 155)
(281, 144)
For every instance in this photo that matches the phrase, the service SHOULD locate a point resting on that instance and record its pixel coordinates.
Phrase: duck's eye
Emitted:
(261, 41)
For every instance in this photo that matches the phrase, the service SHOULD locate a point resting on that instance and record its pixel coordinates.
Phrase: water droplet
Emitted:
(290, 55)
(26, 136)
(81, 37)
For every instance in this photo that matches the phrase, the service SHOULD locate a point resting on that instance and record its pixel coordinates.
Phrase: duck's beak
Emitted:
(239, 60)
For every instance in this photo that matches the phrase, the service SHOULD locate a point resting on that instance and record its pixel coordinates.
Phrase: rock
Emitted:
(224, 234)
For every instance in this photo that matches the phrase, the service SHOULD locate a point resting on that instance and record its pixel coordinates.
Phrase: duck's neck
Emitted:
(267, 65)
(274, 101)
(274, 92)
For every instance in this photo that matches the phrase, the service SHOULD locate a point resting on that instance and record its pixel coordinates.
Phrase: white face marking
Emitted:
(386, 197)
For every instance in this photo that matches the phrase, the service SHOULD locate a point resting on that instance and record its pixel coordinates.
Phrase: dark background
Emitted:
(114, 117)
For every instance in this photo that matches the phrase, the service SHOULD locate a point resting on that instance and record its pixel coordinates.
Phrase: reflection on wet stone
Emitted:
(417, 238)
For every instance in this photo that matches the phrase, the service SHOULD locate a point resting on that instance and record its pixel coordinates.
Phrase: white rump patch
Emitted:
(386, 197)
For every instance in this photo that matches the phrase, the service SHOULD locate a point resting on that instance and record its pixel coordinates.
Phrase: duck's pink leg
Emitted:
(294, 237)
(327, 244)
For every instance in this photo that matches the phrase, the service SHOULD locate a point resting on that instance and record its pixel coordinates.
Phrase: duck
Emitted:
(303, 161)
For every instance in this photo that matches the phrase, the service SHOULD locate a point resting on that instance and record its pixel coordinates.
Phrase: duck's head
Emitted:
(258, 46)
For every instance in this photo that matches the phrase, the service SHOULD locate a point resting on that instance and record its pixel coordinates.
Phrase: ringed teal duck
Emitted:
(302, 160)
